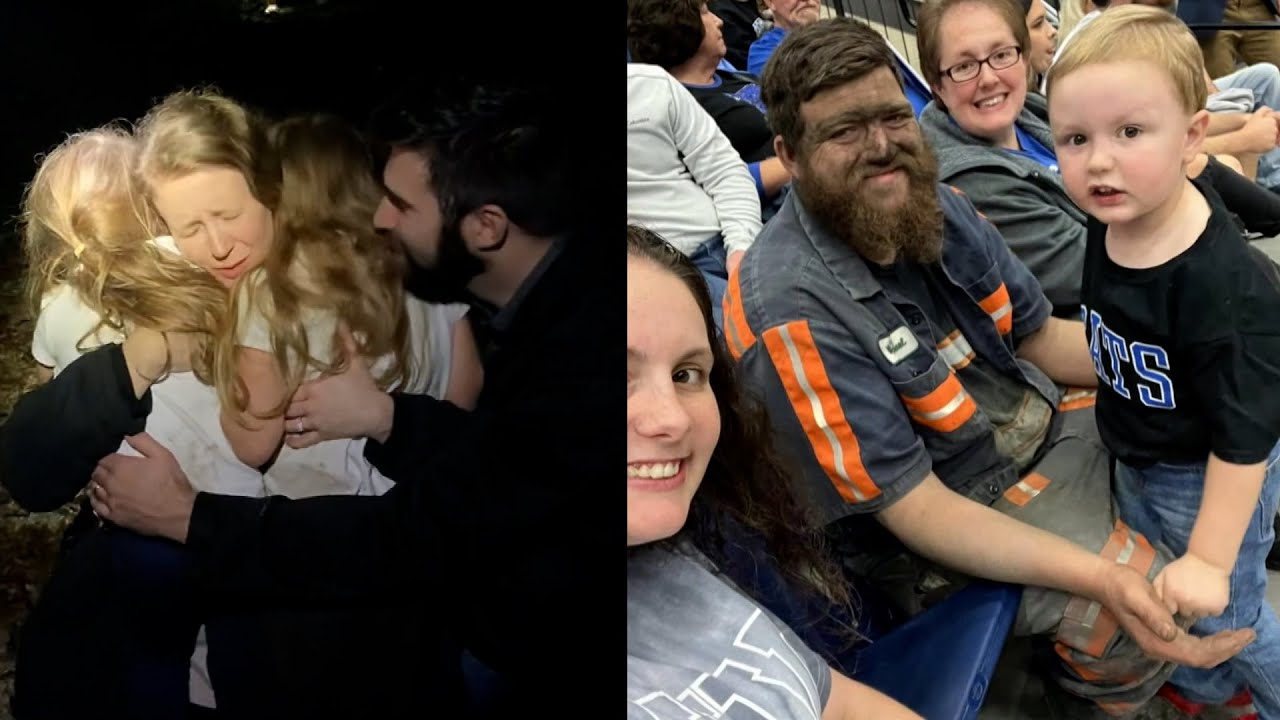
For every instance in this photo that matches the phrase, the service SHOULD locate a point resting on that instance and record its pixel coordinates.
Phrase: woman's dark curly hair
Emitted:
(747, 481)
(665, 33)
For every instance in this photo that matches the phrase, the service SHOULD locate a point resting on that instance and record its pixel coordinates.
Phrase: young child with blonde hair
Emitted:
(96, 265)
(99, 272)
(1183, 324)
(330, 286)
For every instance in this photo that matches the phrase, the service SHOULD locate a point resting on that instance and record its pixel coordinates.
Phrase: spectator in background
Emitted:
(742, 26)
(1224, 50)
(686, 38)
(787, 16)
(684, 179)
(913, 84)
(1044, 39)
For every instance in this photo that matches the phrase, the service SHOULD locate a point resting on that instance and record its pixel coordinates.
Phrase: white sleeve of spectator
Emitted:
(717, 167)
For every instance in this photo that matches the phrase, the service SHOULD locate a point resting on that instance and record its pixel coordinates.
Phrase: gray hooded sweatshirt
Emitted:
(1026, 201)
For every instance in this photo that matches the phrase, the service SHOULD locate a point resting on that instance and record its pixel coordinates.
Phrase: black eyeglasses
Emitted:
(1002, 58)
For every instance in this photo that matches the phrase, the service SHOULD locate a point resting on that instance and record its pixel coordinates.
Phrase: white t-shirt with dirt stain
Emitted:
(339, 466)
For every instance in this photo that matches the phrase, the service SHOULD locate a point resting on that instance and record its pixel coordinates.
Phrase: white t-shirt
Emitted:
(184, 411)
(338, 467)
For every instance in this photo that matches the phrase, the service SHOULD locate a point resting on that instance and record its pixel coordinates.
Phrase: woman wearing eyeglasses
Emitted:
(992, 137)
(992, 141)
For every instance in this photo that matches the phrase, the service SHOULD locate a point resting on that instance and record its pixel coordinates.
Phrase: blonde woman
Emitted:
(95, 267)
(240, 200)
(327, 269)
(97, 273)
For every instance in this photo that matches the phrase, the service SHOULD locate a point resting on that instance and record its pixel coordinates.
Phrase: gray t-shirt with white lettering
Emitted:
(698, 647)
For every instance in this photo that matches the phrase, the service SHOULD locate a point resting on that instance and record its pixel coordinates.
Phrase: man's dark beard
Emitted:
(912, 232)
(454, 269)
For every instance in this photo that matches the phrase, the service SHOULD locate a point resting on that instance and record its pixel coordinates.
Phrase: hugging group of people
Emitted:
(293, 498)
(232, 259)
(1004, 336)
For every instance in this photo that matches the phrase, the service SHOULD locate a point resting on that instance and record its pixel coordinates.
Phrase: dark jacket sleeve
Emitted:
(432, 425)
(59, 431)
(332, 549)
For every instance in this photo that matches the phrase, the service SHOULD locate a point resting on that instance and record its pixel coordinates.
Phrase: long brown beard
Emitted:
(912, 231)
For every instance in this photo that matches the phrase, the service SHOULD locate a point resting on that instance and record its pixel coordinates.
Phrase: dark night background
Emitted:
(68, 66)
(74, 66)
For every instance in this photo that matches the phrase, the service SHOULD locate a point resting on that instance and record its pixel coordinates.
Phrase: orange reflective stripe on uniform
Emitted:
(1074, 398)
(1022, 492)
(1118, 709)
(1086, 625)
(945, 409)
(1115, 708)
(955, 349)
(998, 306)
(1081, 671)
(737, 332)
(817, 407)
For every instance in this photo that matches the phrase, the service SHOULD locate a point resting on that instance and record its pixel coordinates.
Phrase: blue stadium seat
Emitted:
(940, 662)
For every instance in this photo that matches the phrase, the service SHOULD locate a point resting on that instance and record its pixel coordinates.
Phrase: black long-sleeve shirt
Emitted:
(57, 433)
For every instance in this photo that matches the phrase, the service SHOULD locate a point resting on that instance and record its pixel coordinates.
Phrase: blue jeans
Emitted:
(1161, 502)
(160, 617)
(711, 258)
(158, 622)
(1264, 80)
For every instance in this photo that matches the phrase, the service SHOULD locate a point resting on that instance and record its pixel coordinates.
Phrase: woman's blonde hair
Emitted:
(190, 130)
(194, 129)
(85, 224)
(326, 257)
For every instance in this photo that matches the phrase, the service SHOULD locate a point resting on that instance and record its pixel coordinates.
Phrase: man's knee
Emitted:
(1112, 686)
(1091, 631)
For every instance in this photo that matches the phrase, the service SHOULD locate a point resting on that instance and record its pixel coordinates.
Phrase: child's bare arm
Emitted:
(1230, 496)
(254, 438)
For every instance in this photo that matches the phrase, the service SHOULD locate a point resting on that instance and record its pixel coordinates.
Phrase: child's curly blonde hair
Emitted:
(324, 233)
(84, 223)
